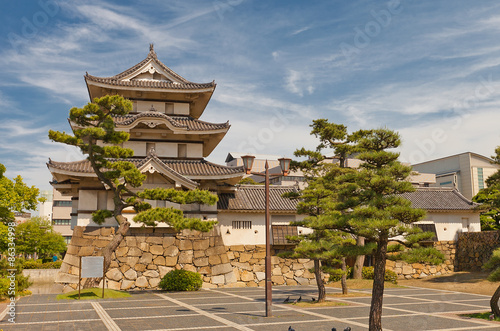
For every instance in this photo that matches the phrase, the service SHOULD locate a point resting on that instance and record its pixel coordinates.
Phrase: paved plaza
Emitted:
(244, 309)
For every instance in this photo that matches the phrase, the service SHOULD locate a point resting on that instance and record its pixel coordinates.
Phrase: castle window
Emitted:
(182, 150)
(242, 225)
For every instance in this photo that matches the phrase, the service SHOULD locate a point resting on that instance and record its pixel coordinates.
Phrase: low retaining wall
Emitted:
(475, 248)
(147, 254)
(406, 270)
(41, 275)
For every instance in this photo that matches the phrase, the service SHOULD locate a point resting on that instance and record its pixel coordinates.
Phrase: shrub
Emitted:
(22, 282)
(32, 264)
(336, 273)
(420, 255)
(181, 280)
(389, 276)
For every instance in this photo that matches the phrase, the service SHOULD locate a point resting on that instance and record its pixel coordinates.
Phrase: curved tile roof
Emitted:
(182, 84)
(182, 167)
(437, 198)
(188, 123)
(252, 197)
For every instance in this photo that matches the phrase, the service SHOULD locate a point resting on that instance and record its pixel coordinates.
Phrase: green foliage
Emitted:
(389, 276)
(420, 255)
(99, 216)
(395, 248)
(15, 195)
(21, 282)
(336, 273)
(493, 265)
(181, 280)
(38, 264)
(38, 236)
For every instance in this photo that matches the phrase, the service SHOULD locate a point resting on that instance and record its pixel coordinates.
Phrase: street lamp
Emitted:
(285, 167)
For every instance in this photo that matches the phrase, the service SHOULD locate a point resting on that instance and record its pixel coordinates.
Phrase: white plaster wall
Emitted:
(194, 150)
(181, 108)
(166, 149)
(87, 200)
(139, 147)
(449, 225)
(145, 106)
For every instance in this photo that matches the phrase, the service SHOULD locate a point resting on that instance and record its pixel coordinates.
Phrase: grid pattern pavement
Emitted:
(244, 309)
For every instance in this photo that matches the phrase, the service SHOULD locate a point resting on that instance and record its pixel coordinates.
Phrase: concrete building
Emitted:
(465, 172)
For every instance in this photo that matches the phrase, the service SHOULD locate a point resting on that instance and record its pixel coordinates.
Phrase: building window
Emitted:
(480, 178)
(446, 183)
(61, 222)
(62, 203)
(182, 150)
(242, 224)
(68, 239)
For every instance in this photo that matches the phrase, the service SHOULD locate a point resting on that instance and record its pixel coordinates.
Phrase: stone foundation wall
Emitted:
(406, 270)
(475, 248)
(147, 254)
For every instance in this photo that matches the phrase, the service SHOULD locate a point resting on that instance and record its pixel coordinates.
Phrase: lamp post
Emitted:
(285, 167)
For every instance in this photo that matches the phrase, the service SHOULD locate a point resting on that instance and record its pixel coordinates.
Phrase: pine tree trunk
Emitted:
(319, 281)
(107, 251)
(494, 303)
(375, 323)
(343, 279)
(360, 260)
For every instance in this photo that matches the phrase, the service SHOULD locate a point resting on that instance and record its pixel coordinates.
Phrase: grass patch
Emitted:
(358, 284)
(313, 304)
(483, 316)
(93, 293)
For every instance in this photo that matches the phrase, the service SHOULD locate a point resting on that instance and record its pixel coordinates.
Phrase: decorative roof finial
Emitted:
(152, 52)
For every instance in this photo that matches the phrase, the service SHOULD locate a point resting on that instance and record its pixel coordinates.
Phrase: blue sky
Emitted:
(428, 69)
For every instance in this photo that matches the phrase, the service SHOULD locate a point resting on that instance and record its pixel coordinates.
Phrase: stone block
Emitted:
(164, 270)
(125, 267)
(151, 274)
(130, 260)
(238, 284)
(198, 254)
(260, 276)
(189, 267)
(275, 260)
(308, 274)
(114, 274)
(230, 255)
(276, 271)
(299, 273)
(140, 267)
(153, 282)
(121, 251)
(127, 284)
(157, 240)
(201, 262)
(141, 282)
(101, 243)
(224, 258)
(208, 285)
(86, 251)
(185, 245)
(390, 264)
(219, 279)
(291, 282)
(72, 260)
(130, 274)
(214, 259)
(302, 281)
(134, 251)
(159, 260)
(245, 257)
(112, 285)
(407, 270)
(156, 250)
(168, 241)
(201, 244)
(144, 247)
(242, 266)
(309, 265)
(171, 251)
(221, 269)
(278, 280)
(237, 248)
(185, 257)
(230, 277)
(205, 271)
(152, 267)
(246, 276)
(91, 231)
(73, 250)
(78, 241)
(146, 258)
(259, 255)
(297, 266)
(170, 261)
(258, 267)
(131, 241)
(107, 231)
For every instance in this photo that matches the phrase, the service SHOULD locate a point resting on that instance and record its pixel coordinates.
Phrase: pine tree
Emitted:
(95, 134)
